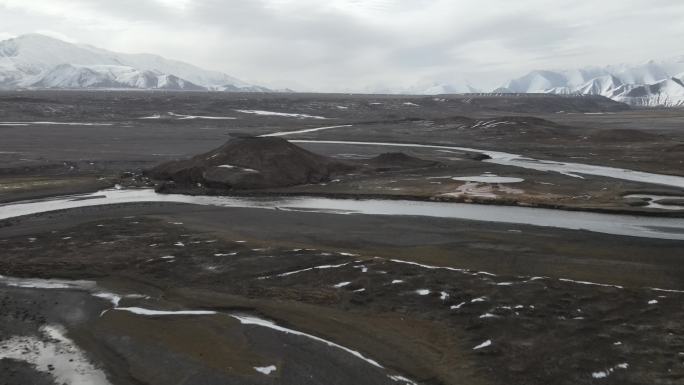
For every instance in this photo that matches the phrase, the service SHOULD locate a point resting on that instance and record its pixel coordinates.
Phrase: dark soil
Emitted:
(508, 284)
(422, 322)
(249, 163)
(398, 161)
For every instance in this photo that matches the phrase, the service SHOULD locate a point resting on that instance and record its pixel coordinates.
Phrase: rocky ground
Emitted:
(158, 293)
(423, 321)
(122, 134)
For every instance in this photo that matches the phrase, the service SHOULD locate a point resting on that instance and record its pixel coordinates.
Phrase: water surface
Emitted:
(628, 225)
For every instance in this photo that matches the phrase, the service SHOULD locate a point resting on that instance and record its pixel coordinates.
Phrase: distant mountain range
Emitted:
(653, 84)
(38, 61)
(427, 88)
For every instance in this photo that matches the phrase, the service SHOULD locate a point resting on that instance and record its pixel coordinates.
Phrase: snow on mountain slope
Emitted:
(649, 84)
(37, 61)
(537, 81)
(186, 71)
(109, 76)
(438, 89)
(245, 88)
(666, 93)
(425, 88)
(68, 76)
(603, 85)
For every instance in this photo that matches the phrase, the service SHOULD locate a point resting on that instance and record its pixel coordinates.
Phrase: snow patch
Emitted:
(283, 114)
(285, 133)
(150, 312)
(266, 369)
(489, 178)
(589, 283)
(33, 283)
(192, 117)
(230, 166)
(605, 373)
(321, 267)
(489, 315)
(249, 320)
(111, 297)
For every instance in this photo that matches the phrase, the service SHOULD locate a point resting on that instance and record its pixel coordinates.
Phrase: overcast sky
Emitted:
(341, 45)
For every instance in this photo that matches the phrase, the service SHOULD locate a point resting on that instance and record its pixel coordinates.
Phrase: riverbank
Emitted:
(401, 282)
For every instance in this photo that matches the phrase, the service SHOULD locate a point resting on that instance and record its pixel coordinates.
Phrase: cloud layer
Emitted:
(355, 45)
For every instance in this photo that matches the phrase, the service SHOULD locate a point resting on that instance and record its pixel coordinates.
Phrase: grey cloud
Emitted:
(340, 44)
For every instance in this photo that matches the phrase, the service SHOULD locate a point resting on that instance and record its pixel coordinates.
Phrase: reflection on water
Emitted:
(651, 227)
(654, 201)
(54, 354)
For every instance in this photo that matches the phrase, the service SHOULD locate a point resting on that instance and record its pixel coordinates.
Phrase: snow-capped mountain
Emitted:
(424, 88)
(109, 76)
(441, 88)
(37, 61)
(651, 84)
(668, 93)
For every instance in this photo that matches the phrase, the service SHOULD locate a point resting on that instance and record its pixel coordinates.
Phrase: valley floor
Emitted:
(169, 293)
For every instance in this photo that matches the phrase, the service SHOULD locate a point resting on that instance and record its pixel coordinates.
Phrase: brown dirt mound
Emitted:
(249, 163)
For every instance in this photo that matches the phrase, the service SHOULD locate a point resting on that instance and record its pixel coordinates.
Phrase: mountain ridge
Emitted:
(650, 84)
(38, 61)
